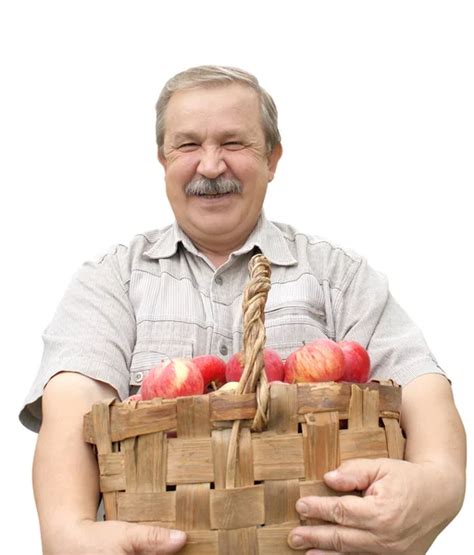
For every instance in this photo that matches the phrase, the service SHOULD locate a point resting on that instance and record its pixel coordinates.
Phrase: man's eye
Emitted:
(188, 147)
(233, 145)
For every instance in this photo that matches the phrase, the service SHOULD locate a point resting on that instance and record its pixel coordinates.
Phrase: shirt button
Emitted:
(139, 377)
(219, 280)
(223, 350)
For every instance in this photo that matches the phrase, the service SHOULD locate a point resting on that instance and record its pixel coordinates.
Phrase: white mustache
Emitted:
(218, 186)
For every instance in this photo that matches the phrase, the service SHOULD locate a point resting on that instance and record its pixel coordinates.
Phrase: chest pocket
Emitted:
(298, 312)
(148, 354)
(288, 327)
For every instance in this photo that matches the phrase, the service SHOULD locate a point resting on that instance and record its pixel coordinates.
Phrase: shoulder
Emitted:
(327, 259)
(137, 246)
(122, 258)
(315, 243)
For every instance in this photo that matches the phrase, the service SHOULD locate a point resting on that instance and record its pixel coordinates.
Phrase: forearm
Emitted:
(65, 474)
(434, 429)
(436, 438)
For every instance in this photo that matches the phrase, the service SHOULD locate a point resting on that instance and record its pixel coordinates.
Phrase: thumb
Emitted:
(356, 474)
(156, 540)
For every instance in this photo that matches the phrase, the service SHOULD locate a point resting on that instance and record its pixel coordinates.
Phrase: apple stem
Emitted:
(213, 385)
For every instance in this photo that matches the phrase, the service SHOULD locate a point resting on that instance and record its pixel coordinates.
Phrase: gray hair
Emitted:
(215, 76)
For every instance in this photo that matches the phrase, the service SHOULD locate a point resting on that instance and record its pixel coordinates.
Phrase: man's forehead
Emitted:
(230, 109)
(189, 132)
(229, 96)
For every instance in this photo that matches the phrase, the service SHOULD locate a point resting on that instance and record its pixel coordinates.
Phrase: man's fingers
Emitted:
(153, 539)
(357, 474)
(348, 510)
(332, 539)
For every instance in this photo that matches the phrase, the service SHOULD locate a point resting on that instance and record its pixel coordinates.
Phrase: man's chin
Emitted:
(217, 228)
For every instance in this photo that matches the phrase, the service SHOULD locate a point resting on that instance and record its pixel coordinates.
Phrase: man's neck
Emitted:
(217, 261)
(218, 249)
(217, 245)
(217, 256)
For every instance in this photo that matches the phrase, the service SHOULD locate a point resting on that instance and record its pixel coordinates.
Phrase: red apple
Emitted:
(274, 368)
(289, 368)
(212, 369)
(271, 359)
(321, 360)
(234, 367)
(147, 390)
(178, 378)
(356, 362)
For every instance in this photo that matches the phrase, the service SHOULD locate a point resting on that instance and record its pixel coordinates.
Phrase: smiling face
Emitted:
(216, 133)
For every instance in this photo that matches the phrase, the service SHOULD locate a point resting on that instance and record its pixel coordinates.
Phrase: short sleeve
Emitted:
(368, 313)
(92, 332)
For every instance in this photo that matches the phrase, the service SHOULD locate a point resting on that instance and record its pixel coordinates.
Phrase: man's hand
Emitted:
(116, 538)
(404, 504)
(401, 511)
(66, 481)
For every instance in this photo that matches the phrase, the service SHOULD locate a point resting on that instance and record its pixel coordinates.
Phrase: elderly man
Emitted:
(177, 292)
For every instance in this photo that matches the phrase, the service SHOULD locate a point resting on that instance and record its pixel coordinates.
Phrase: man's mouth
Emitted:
(212, 195)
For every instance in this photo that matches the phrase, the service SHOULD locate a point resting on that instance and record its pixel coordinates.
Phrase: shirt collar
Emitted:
(266, 236)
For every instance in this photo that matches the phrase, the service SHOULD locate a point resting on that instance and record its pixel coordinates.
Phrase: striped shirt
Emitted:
(160, 298)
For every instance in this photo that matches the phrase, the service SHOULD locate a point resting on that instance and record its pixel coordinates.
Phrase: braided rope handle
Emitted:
(253, 377)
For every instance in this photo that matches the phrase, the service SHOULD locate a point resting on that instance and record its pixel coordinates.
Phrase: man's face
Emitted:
(216, 133)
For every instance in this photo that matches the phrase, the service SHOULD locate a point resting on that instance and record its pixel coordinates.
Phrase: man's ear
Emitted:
(273, 159)
(161, 157)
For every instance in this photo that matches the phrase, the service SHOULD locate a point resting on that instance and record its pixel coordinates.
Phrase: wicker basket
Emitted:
(239, 461)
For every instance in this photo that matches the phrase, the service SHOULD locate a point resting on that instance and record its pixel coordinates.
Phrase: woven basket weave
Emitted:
(238, 462)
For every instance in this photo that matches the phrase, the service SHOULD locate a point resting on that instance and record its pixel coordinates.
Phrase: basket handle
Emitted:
(253, 378)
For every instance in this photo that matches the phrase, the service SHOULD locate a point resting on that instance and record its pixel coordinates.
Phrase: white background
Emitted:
(377, 120)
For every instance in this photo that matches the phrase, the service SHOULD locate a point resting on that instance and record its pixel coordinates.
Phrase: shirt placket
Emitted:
(220, 344)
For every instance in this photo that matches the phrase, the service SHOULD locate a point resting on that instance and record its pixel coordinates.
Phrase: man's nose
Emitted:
(211, 163)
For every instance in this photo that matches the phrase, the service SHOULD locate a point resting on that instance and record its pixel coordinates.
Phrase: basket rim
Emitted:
(129, 419)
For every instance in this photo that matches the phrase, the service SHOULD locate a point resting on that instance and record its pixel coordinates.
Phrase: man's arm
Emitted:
(66, 484)
(405, 503)
(436, 439)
